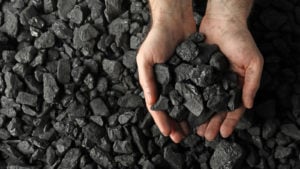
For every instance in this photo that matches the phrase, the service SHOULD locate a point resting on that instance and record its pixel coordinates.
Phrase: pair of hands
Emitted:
(174, 23)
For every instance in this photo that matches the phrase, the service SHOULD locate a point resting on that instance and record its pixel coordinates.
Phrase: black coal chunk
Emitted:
(61, 30)
(64, 7)
(112, 68)
(187, 50)
(123, 147)
(76, 110)
(64, 71)
(125, 160)
(219, 61)
(99, 108)
(203, 75)
(50, 87)
(27, 99)
(138, 139)
(13, 84)
(87, 32)
(226, 154)
(46, 40)
(162, 74)
(11, 23)
(113, 9)
(101, 158)
(161, 104)
(93, 132)
(174, 159)
(71, 159)
(130, 101)
(291, 130)
(26, 54)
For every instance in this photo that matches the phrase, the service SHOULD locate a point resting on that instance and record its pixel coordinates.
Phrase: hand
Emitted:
(231, 34)
(172, 22)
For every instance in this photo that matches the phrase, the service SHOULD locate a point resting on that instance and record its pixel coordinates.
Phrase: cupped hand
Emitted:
(236, 42)
(166, 32)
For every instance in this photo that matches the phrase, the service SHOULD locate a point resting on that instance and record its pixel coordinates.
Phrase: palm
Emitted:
(238, 45)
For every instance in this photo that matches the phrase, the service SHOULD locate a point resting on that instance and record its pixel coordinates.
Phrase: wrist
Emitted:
(171, 11)
(229, 10)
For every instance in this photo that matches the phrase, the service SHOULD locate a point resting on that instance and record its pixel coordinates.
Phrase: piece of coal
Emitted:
(138, 139)
(63, 71)
(93, 132)
(25, 147)
(161, 104)
(123, 147)
(187, 50)
(174, 159)
(50, 87)
(11, 24)
(226, 155)
(125, 160)
(203, 75)
(99, 108)
(113, 9)
(50, 155)
(282, 152)
(63, 144)
(46, 40)
(61, 30)
(26, 54)
(87, 32)
(27, 99)
(13, 84)
(175, 98)
(101, 158)
(70, 159)
(125, 117)
(4, 134)
(76, 15)
(112, 68)
(76, 110)
(130, 101)
(219, 61)
(179, 113)
(64, 7)
(14, 127)
(162, 74)
(291, 130)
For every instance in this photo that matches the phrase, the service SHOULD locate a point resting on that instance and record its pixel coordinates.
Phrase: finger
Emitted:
(147, 81)
(213, 126)
(201, 129)
(230, 122)
(177, 133)
(252, 82)
(185, 128)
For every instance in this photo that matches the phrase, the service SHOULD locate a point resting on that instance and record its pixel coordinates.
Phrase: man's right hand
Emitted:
(172, 22)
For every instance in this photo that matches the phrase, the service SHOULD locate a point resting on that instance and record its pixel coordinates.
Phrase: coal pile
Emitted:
(70, 96)
(197, 82)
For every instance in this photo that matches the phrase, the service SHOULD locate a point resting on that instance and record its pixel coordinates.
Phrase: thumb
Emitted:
(252, 81)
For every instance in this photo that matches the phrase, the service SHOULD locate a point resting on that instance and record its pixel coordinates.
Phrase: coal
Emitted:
(27, 99)
(11, 24)
(187, 50)
(71, 159)
(161, 104)
(123, 147)
(63, 71)
(64, 8)
(99, 107)
(26, 54)
(130, 101)
(112, 68)
(226, 155)
(70, 95)
(101, 158)
(46, 40)
(291, 130)
(50, 88)
(174, 159)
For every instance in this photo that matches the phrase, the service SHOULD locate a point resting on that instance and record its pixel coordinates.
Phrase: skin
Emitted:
(224, 24)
